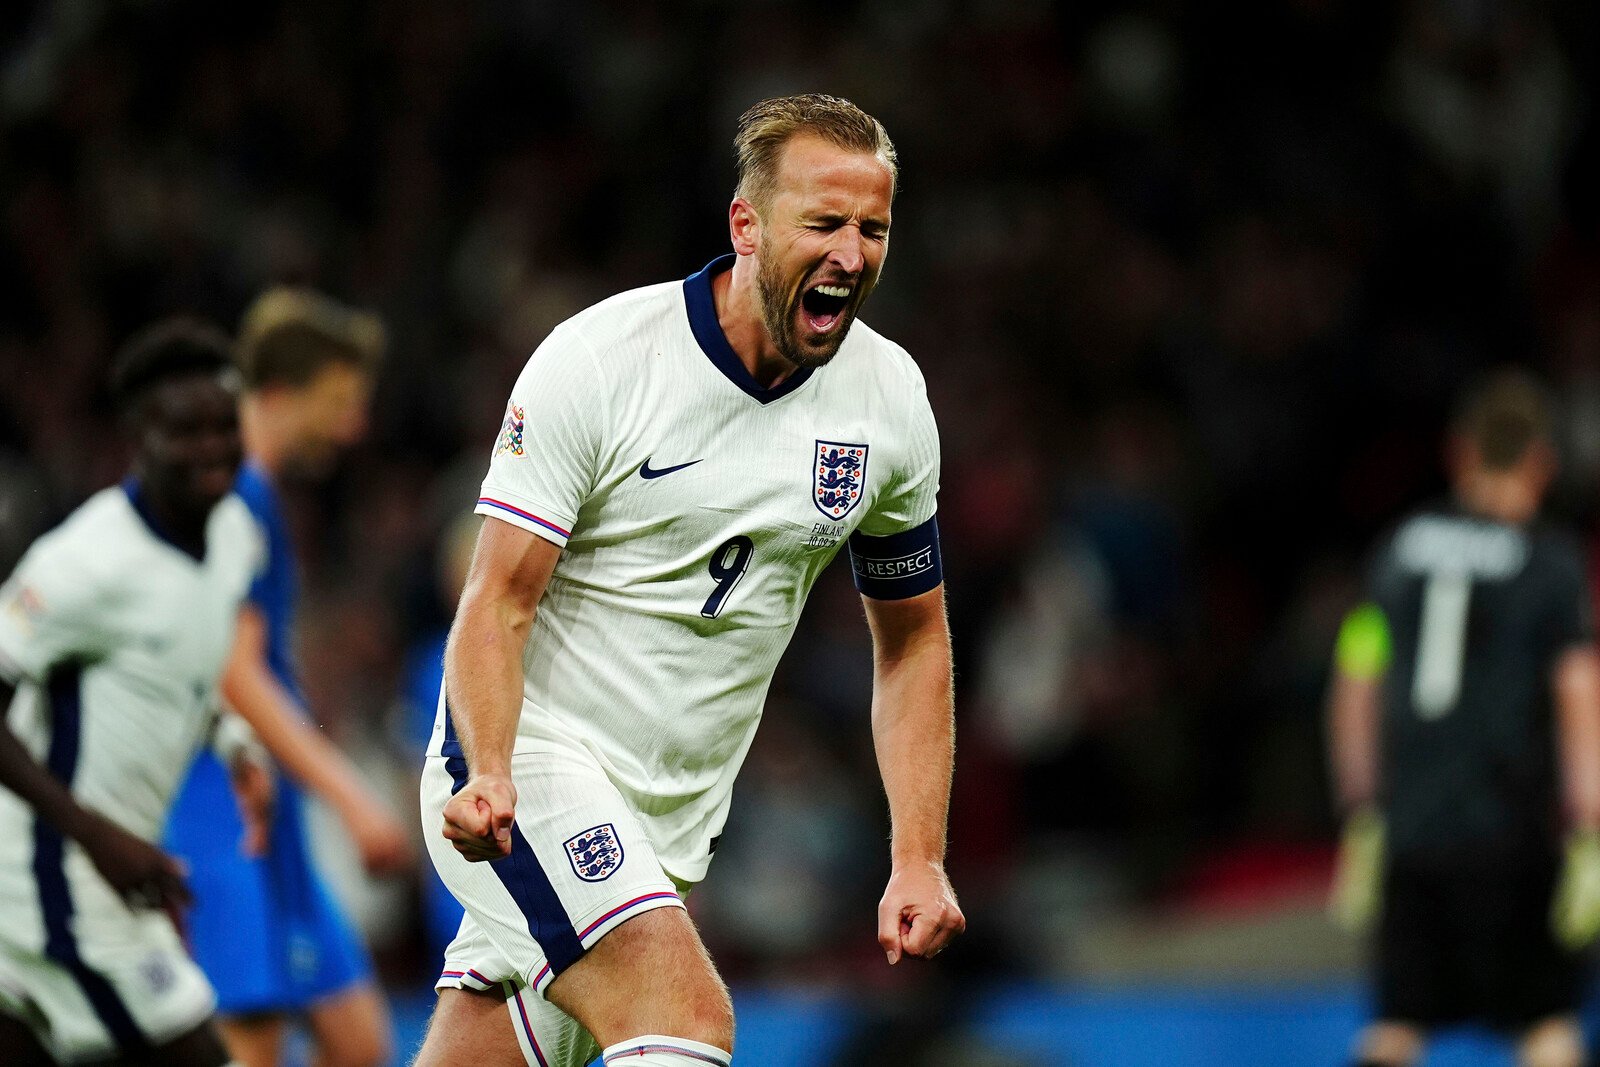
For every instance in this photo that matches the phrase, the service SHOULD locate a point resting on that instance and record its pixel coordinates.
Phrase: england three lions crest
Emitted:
(596, 853)
(838, 477)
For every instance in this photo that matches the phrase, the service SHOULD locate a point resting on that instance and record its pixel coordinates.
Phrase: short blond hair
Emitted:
(766, 127)
(290, 333)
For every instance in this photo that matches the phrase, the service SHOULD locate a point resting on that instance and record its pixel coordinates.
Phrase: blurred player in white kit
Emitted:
(676, 467)
(114, 630)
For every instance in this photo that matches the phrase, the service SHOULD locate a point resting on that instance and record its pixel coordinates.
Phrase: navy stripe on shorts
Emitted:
(530, 887)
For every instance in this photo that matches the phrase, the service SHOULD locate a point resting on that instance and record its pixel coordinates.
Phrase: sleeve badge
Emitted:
(511, 431)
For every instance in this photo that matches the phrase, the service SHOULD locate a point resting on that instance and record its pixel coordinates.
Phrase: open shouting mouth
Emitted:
(822, 306)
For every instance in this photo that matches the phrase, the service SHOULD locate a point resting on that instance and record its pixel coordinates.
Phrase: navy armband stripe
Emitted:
(902, 565)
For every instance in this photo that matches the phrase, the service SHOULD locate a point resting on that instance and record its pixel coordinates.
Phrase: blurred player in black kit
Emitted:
(1465, 743)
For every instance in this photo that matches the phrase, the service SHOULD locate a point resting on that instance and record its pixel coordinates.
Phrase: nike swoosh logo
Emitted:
(646, 472)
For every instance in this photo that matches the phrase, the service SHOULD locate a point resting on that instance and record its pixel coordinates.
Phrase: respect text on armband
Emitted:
(907, 566)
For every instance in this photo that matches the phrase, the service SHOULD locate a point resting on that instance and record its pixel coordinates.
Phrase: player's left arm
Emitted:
(286, 730)
(1361, 659)
(1577, 691)
(1575, 681)
(913, 728)
(139, 871)
(1355, 695)
(250, 774)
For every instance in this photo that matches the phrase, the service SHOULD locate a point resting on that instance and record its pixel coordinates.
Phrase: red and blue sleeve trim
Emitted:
(528, 515)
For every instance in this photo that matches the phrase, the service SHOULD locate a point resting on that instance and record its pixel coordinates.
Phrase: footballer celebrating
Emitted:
(676, 467)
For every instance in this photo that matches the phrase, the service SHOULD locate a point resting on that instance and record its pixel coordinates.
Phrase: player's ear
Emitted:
(744, 226)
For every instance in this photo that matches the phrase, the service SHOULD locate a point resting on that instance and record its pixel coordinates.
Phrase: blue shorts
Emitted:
(265, 930)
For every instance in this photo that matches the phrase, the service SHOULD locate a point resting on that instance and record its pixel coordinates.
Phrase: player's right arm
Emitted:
(51, 614)
(1361, 659)
(139, 871)
(254, 692)
(1577, 691)
(483, 680)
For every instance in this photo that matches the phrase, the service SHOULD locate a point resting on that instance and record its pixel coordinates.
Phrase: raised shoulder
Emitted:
(1563, 552)
(234, 526)
(889, 358)
(607, 329)
(98, 539)
(91, 555)
(233, 512)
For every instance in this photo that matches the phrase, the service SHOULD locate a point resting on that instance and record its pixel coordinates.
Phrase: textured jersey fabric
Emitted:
(115, 637)
(145, 630)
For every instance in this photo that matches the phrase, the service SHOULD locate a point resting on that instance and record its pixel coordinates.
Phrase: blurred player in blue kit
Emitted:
(265, 928)
(675, 468)
(114, 631)
(1465, 737)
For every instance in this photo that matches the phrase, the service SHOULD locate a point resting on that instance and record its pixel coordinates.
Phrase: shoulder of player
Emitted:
(888, 355)
(235, 517)
(1383, 561)
(95, 542)
(604, 329)
(1562, 546)
(886, 365)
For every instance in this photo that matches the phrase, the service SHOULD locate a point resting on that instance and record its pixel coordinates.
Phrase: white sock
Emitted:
(656, 1050)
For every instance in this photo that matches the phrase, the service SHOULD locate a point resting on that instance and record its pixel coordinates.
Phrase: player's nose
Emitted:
(846, 251)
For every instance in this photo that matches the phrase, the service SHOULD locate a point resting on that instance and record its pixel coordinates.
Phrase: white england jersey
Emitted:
(117, 639)
(696, 509)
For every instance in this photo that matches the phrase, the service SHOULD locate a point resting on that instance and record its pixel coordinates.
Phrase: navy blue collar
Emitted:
(141, 507)
(702, 307)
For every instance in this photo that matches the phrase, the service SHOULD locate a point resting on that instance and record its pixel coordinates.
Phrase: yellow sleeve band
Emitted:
(1364, 648)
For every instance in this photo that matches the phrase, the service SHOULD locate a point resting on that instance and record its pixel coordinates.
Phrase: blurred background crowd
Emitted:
(1192, 286)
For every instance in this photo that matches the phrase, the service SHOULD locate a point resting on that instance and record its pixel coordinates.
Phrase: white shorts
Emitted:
(101, 982)
(580, 866)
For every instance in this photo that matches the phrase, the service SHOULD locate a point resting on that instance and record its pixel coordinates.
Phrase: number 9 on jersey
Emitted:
(728, 564)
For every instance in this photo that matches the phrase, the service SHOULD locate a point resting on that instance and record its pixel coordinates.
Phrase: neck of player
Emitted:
(1504, 496)
(263, 432)
(739, 314)
(178, 521)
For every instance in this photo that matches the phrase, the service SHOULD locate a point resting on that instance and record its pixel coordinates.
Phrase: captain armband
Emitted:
(901, 565)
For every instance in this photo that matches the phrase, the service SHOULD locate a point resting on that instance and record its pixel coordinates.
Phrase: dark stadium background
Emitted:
(1192, 285)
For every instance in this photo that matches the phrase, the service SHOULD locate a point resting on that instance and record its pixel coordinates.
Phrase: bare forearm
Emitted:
(284, 730)
(1353, 739)
(913, 727)
(483, 683)
(1577, 686)
(49, 798)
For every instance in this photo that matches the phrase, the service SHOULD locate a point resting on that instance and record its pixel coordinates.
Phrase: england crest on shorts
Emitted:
(838, 476)
(596, 853)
